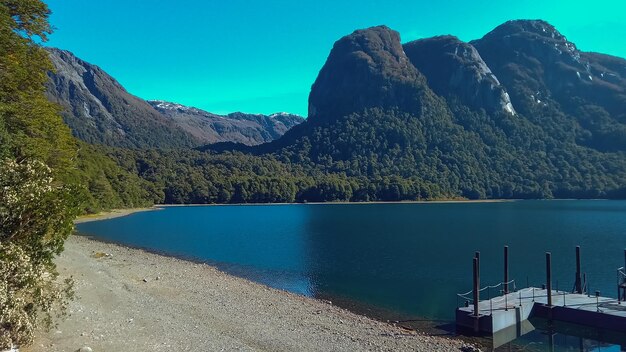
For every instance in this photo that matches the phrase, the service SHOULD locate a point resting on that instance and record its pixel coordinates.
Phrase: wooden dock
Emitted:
(507, 317)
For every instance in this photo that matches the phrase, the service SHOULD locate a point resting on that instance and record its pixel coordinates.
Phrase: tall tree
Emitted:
(37, 163)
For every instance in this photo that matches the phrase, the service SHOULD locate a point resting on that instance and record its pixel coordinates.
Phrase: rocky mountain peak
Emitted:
(166, 105)
(536, 27)
(364, 69)
(454, 67)
(533, 37)
(534, 60)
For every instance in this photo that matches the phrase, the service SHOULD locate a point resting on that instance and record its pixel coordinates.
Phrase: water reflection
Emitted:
(558, 336)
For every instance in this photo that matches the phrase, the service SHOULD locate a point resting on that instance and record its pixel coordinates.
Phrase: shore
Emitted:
(116, 213)
(126, 299)
(131, 300)
(346, 202)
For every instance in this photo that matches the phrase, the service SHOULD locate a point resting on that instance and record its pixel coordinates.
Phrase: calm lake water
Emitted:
(408, 260)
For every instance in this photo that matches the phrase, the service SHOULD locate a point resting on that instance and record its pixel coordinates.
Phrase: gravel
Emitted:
(132, 300)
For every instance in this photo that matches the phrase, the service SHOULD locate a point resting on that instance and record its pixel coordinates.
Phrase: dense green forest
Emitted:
(385, 156)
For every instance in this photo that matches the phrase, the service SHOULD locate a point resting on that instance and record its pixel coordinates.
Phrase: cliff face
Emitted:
(547, 76)
(537, 63)
(455, 68)
(367, 68)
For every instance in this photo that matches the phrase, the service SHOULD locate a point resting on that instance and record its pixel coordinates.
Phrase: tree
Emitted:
(37, 162)
(36, 216)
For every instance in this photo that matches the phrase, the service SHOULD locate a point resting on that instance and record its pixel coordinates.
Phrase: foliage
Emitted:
(36, 216)
(106, 185)
(37, 162)
(27, 116)
(26, 286)
(391, 155)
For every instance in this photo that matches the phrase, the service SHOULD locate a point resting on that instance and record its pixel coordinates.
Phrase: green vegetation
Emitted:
(382, 155)
(36, 203)
(186, 177)
(105, 185)
(46, 179)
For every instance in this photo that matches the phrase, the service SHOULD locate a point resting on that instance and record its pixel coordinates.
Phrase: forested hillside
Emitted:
(441, 117)
(519, 113)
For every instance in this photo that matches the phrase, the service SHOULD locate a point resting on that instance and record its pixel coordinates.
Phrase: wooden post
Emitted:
(476, 297)
(506, 269)
(578, 283)
(477, 256)
(476, 288)
(549, 277)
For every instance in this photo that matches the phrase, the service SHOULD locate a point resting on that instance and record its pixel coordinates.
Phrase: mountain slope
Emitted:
(100, 111)
(248, 129)
(453, 67)
(546, 75)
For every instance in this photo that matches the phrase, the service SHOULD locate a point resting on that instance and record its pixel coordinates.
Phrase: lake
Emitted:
(397, 260)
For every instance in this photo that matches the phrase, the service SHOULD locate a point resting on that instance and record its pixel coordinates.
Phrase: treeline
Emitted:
(192, 177)
(376, 155)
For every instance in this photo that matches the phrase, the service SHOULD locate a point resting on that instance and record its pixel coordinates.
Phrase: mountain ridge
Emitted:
(99, 110)
(236, 127)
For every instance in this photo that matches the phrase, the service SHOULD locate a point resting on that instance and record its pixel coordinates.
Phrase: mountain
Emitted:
(100, 111)
(248, 129)
(520, 113)
(453, 67)
(544, 71)
(365, 69)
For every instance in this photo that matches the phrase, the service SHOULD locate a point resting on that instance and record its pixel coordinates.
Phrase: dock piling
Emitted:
(506, 269)
(549, 277)
(578, 283)
(475, 290)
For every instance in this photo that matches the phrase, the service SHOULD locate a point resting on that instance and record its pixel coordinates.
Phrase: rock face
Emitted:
(538, 64)
(453, 67)
(367, 68)
(248, 129)
(99, 110)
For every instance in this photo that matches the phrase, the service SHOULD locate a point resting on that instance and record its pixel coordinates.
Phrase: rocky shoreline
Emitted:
(129, 299)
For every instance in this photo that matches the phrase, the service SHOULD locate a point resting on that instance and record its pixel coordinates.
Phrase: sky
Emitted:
(263, 56)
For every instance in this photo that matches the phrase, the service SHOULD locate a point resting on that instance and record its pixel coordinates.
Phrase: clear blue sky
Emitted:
(263, 56)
